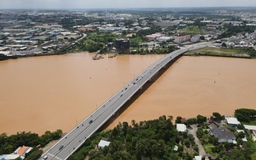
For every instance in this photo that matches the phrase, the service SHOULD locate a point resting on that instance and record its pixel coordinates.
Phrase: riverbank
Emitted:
(219, 52)
(207, 51)
(3, 57)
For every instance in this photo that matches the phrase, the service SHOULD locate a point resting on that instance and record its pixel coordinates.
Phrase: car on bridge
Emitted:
(61, 147)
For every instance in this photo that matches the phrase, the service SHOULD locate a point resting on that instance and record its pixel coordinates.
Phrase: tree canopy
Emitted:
(245, 115)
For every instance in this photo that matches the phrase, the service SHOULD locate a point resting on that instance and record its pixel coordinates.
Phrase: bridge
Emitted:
(68, 144)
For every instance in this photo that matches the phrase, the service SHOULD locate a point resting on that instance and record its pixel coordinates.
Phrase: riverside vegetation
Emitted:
(8, 144)
(156, 139)
(149, 140)
(223, 52)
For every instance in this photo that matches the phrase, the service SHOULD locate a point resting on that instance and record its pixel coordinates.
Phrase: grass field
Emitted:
(192, 30)
(250, 123)
(208, 148)
(215, 51)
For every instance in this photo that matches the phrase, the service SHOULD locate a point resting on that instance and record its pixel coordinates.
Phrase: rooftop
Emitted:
(103, 143)
(232, 120)
(181, 127)
(250, 127)
(9, 156)
(222, 133)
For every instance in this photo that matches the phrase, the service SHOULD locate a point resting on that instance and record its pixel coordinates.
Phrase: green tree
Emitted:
(178, 119)
(34, 155)
(245, 115)
(200, 132)
(201, 119)
(224, 45)
(217, 116)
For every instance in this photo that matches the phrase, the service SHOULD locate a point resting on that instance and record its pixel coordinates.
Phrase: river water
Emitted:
(57, 92)
(197, 85)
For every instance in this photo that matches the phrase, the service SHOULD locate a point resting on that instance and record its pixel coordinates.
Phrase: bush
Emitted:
(35, 154)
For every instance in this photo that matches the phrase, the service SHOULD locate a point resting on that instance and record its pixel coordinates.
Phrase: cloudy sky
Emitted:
(85, 4)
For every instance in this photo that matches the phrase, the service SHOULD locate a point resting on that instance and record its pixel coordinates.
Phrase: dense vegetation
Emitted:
(245, 115)
(233, 30)
(224, 52)
(96, 41)
(152, 30)
(148, 140)
(154, 139)
(157, 50)
(8, 144)
(3, 57)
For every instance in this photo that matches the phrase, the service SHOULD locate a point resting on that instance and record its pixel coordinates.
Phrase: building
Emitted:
(198, 158)
(122, 44)
(154, 36)
(103, 143)
(232, 121)
(9, 156)
(176, 148)
(243, 139)
(109, 29)
(250, 127)
(180, 39)
(222, 133)
(166, 24)
(195, 38)
(164, 38)
(22, 151)
(181, 127)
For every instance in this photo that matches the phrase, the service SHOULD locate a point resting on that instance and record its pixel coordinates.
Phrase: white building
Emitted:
(9, 156)
(232, 121)
(198, 158)
(164, 38)
(181, 127)
(103, 143)
(176, 148)
(250, 127)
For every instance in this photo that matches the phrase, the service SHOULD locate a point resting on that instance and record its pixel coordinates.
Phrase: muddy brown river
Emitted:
(57, 92)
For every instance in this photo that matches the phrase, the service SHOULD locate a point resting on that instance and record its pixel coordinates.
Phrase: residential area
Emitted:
(33, 33)
(108, 33)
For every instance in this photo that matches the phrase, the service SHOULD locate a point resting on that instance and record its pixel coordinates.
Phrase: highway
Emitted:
(68, 144)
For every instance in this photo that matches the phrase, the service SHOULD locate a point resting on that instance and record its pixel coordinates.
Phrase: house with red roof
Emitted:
(22, 151)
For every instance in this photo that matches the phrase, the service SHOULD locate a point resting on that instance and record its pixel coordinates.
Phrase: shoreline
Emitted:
(224, 56)
(220, 54)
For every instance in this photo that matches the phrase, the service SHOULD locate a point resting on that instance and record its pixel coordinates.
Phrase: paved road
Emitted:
(77, 136)
(198, 143)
